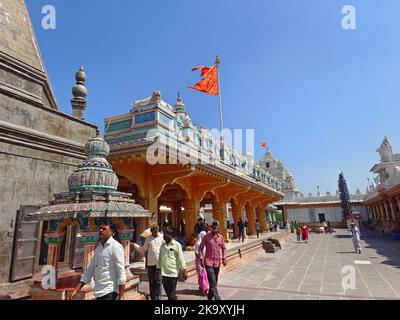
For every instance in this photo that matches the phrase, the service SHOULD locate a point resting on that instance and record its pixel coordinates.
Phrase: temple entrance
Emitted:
(171, 209)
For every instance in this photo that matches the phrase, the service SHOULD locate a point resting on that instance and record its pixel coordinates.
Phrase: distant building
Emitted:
(383, 196)
(317, 209)
(310, 209)
(278, 170)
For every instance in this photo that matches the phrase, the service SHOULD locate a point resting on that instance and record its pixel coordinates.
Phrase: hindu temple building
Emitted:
(185, 187)
(383, 197)
(39, 145)
(278, 170)
(92, 196)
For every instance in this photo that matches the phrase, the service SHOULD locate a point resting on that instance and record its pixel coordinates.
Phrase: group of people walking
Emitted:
(302, 232)
(165, 262)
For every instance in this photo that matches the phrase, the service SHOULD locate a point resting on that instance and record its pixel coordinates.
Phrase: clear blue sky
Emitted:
(322, 97)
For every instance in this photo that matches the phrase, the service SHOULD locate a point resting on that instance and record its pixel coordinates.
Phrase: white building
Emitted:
(311, 209)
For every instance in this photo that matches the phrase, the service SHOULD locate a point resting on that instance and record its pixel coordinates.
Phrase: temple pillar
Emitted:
(126, 236)
(191, 211)
(261, 219)
(393, 213)
(387, 214)
(54, 241)
(398, 204)
(152, 206)
(396, 216)
(381, 213)
(219, 213)
(89, 240)
(378, 211)
(373, 212)
(236, 213)
(250, 213)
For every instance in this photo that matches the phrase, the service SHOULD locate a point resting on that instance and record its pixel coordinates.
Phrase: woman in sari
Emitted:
(201, 271)
(304, 233)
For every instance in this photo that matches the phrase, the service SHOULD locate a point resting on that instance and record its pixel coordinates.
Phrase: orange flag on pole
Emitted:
(264, 144)
(210, 82)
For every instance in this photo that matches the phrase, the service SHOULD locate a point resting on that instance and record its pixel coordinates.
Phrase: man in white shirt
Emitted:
(152, 246)
(107, 267)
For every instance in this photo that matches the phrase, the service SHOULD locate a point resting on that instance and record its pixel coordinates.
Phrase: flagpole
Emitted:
(217, 63)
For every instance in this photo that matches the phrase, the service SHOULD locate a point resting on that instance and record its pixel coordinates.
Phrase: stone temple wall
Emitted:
(28, 177)
(39, 145)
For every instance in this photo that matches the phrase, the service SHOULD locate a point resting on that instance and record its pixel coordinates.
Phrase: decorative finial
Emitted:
(217, 60)
(179, 106)
(79, 92)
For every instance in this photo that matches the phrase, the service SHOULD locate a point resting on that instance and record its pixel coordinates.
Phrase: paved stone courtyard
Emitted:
(312, 271)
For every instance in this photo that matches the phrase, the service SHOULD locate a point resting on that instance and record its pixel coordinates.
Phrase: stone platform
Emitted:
(238, 253)
(67, 283)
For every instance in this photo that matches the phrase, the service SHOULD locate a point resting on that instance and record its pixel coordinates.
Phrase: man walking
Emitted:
(170, 263)
(258, 227)
(355, 236)
(215, 251)
(107, 267)
(152, 246)
(241, 226)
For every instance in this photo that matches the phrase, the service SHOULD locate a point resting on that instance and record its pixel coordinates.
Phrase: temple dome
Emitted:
(95, 173)
(97, 147)
(179, 106)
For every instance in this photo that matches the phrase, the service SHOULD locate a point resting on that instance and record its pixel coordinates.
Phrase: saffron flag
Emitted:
(210, 82)
(264, 144)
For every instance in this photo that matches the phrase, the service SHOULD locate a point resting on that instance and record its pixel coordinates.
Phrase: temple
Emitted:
(226, 179)
(383, 197)
(91, 198)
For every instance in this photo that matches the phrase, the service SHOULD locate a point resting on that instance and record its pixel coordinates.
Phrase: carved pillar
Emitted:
(398, 204)
(126, 236)
(219, 214)
(250, 212)
(387, 214)
(261, 219)
(191, 211)
(381, 213)
(54, 241)
(396, 216)
(373, 212)
(379, 210)
(89, 241)
(236, 215)
(152, 206)
(393, 213)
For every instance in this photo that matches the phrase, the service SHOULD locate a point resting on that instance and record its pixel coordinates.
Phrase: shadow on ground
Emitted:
(192, 292)
(384, 246)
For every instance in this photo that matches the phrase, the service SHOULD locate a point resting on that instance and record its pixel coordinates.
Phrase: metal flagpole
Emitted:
(217, 63)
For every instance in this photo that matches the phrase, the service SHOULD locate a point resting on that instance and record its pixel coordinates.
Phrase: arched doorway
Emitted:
(171, 209)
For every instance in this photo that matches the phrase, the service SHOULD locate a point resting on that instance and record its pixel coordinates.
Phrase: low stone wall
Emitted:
(242, 254)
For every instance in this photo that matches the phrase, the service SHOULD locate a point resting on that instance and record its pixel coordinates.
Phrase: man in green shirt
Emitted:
(170, 263)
